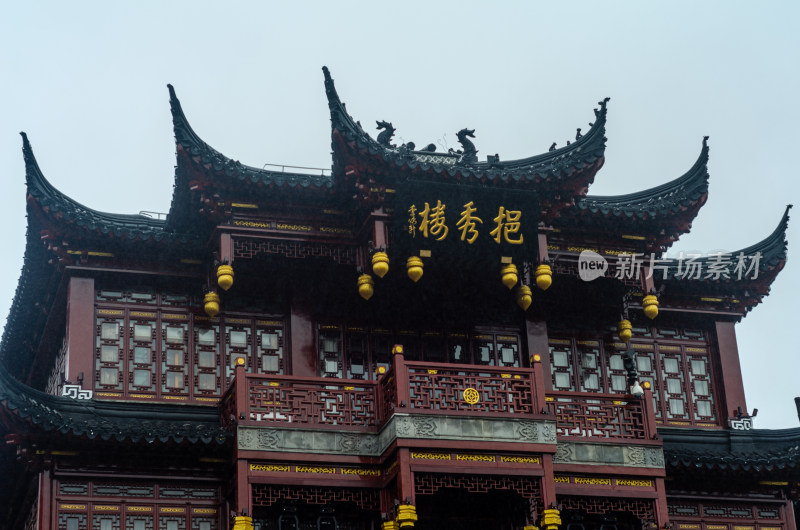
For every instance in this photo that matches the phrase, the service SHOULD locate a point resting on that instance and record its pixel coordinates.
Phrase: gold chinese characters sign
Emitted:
(466, 221)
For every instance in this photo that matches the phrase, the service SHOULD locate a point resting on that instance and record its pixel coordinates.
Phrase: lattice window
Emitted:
(270, 347)
(174, 357)
(136, 506)
(643, 509)
(142, 350)
(105, 521)
(207, 371)
(582, 364)
(267, 495)
(109, 351)
(526, 487)
(675, 362)
(357, 352)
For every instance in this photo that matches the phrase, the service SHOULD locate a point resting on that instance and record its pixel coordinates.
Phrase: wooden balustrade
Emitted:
(433, 388)
(601, 416)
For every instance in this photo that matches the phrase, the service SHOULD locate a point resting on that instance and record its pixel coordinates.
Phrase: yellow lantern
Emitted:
(544, 276)
(524, 297)
(225, 276)
(650, 304)
(389, 525)
(380, 264)
(406, 516)
(241, 522)
(366, 286)
(508, 275)
(625, 330)
(551, 519)
(211, 304)
(414, 268)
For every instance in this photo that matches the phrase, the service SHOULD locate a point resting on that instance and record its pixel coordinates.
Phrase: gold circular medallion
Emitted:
(471, 396)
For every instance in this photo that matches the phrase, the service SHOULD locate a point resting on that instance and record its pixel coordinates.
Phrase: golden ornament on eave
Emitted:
(211, 304)
(366, 286)
(414, 268)
(544, 276)
(225, 276)
(650, 305)
(380, 264)
(508, 275)
(625, 330)
(524, 297)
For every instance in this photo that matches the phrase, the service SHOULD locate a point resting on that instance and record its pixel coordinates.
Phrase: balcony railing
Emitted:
(604, 416)
(433, 388)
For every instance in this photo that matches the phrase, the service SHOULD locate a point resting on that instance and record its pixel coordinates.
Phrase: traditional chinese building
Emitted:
(414, 339)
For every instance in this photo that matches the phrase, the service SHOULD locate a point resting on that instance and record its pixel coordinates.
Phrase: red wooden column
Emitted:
(536, 331)
(46, 500)
(662, 512)
(303, 348)
(244, 496)
(80, 331)
(732, 385)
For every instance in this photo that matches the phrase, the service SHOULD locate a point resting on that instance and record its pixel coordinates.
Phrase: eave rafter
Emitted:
(559, 176)
(661, 214)
(750, 272)
(37, 414)
(207, 180)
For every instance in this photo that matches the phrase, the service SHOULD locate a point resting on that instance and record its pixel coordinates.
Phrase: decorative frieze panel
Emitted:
(406, 426)
(610, 455)
(249, 249)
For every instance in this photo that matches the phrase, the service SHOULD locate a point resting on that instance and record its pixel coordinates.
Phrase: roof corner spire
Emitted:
(33, 175)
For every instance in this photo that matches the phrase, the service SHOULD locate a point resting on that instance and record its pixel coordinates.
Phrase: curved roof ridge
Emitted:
(48, 196)
(188, 138)
(774, 245)
(694, 180)
(107, 419)
(769, 253)
(340, 117)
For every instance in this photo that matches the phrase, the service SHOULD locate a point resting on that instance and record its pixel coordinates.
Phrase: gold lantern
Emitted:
(508, 275)
(524, 297)
(625, 330)
(650, 305)
(414, 268)
(544, 276)
(551, 519)
(366, 286)
(380, 264)
(225, 276)
(241, 522)
(211, 304)
(406, 516)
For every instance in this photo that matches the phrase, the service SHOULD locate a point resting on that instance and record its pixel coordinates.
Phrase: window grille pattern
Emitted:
(151, 346)
(526, 487)
(136, 506)
(267, 495)
(675, 362)
(643, 509)
(358, 353)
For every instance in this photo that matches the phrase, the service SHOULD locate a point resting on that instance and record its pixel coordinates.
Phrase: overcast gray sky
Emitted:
(87, 82)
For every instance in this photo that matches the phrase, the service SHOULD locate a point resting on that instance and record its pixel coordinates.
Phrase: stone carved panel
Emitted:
(607, 454)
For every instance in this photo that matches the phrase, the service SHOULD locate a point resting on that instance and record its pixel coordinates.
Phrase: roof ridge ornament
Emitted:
(385, 136)
(469, 155)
